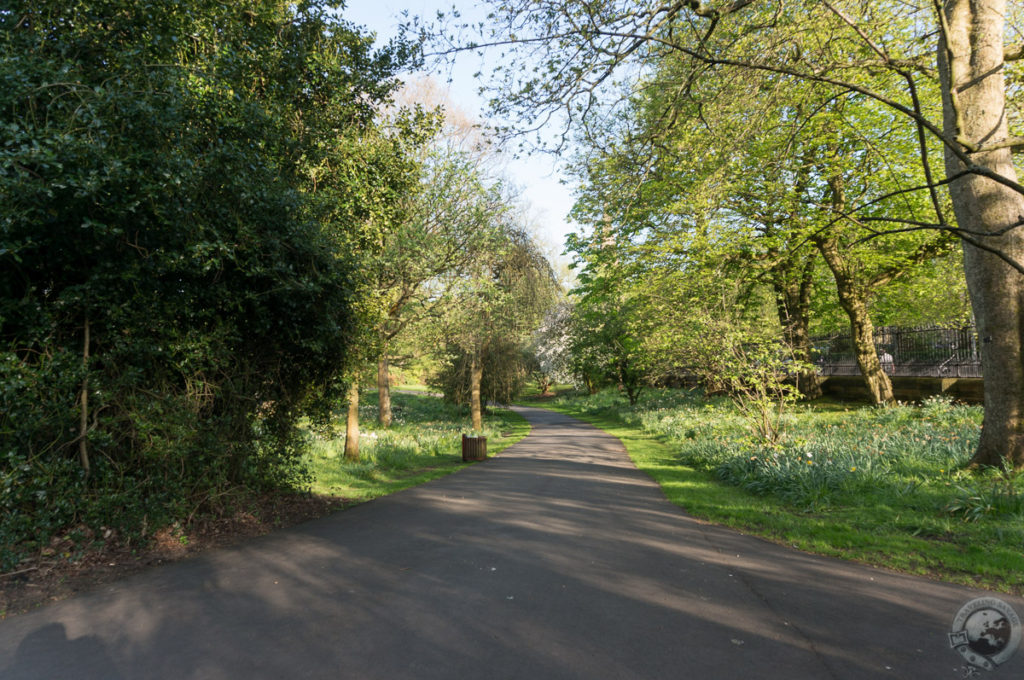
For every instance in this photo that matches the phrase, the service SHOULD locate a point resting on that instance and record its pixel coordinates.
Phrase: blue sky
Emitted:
(537, 175)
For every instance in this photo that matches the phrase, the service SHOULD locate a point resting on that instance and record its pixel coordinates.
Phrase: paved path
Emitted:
(557, 559)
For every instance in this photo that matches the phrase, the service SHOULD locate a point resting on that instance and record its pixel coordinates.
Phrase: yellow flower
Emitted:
(853, 469)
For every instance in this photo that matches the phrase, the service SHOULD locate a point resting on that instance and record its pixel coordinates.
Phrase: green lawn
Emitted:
(412, 387)
(880, 485)
(531, 391)
(423, 443)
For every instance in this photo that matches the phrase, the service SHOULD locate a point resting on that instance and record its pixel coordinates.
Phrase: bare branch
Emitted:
(702, 10)
(954, 100)
(923, 226)
(852, 24)
(1014, 144)
(995, 251)
(922, 146)
(965, 235)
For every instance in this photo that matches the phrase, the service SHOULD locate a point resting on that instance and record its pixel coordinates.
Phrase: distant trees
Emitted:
(784, 182)
(492, 308)
(443, 273)
(550, 348)
(872, 68)
(610, 332)
(446, 225)
(440, 225)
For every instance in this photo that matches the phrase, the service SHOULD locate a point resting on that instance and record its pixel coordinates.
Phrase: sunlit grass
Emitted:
(532, 392)
(883, 485)
(423, 443)
(412, 387)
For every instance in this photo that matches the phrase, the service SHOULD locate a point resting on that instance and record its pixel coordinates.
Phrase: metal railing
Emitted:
(925, 352)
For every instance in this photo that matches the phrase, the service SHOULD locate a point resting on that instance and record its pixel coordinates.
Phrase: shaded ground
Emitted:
(556, 560)
(67, 567)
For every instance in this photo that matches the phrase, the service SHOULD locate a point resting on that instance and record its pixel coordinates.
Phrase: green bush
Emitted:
(161, 173)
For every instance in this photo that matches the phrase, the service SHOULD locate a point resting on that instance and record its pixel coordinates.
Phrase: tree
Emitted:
(687, 319)
(444, 227)
(378, 183)
(549, 347)
(608, 328)
(989, 206)
(854, 171)
(705, 166)
(491, 310)
(768, 187)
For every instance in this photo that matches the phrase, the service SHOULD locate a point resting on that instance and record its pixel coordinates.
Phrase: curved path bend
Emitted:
(558, 559)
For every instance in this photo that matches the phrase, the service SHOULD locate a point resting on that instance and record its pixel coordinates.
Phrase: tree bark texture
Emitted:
(352, 423)
(854, 302)
(476, 373)
(384, 390)
(793, 304)
(974, 111)
(83, 442)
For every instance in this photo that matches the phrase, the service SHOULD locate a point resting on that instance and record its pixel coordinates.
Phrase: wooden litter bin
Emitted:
(474, 448)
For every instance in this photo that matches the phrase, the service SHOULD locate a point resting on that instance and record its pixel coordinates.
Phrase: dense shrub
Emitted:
(163, 193)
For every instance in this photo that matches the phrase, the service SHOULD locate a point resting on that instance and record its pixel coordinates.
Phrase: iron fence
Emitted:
(924, 352)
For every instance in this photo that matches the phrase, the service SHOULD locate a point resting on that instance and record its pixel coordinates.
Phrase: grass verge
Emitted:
(423, 443)
(879, 486)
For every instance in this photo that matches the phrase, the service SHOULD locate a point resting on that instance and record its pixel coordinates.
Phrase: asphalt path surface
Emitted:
(557, 559)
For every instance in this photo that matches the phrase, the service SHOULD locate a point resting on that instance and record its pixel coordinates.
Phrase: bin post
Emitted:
(474, 448)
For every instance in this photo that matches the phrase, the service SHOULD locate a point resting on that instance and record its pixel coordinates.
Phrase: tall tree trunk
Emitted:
(352, 423)
(83, 423)
(854, 303)
(384, 389)
(476, 373)
(793, 304)
(974, 111)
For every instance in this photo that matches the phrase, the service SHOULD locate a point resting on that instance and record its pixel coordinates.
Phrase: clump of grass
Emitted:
(423, 442)
(885, 484)
(993, 494)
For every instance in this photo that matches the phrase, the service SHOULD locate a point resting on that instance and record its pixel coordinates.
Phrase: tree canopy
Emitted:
(877, 115)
